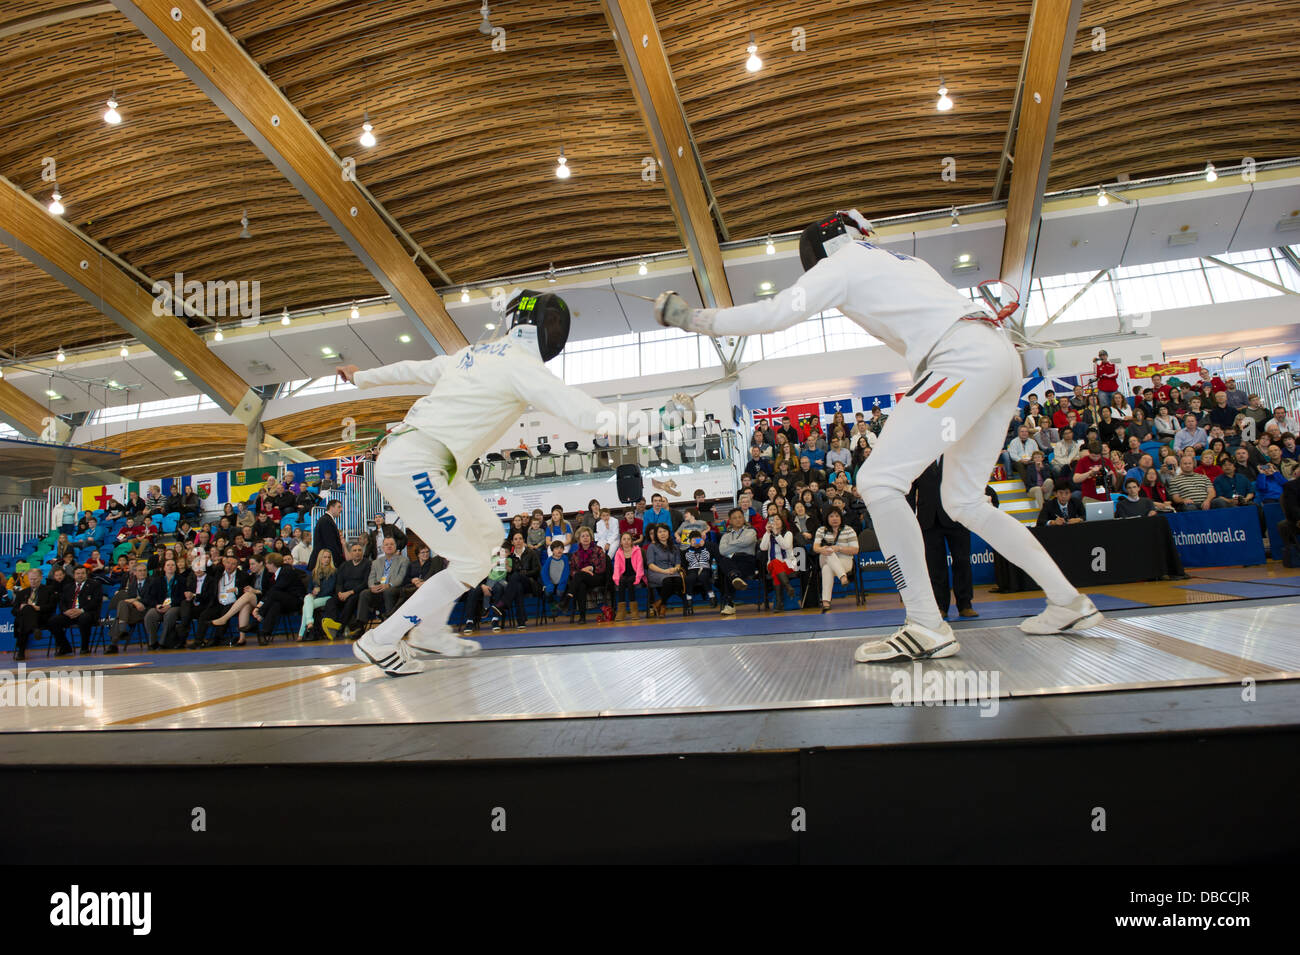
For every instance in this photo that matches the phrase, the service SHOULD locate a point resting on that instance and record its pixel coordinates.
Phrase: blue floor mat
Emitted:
(1283, 583)
(1242, 588)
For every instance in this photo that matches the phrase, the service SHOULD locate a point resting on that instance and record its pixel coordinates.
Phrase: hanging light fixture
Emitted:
(218, 336)
(1101, 196)
(771, 246)
(562, 166)
(550, 274)
(464, 296)
(754, 63)
(485, 25)
(56, 202)
(945, 101)
(643, 269)
(111, 115)
(356, 312)
(243, 221)
(60, 356)
(956, 219)
(284, 317)
(1210, 174)
(367, 137)
(124, 351)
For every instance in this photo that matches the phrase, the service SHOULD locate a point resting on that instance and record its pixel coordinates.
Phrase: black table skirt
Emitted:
(1096, 553)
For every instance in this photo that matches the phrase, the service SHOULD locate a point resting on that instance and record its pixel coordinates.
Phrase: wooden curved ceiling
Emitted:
(468, 137)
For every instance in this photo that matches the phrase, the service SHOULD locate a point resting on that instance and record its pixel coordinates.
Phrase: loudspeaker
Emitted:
(628, 480)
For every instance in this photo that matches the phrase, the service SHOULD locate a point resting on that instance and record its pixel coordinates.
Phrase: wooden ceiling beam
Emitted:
(646, 63)
(243, 91)
(1054, 26)
(22, 412)
(57, 248)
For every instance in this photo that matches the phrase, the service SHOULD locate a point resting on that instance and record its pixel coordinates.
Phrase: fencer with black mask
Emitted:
(966, 377)
(477, 394)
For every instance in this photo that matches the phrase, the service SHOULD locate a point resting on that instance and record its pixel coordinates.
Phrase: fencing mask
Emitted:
(822, 238)
(541, 317)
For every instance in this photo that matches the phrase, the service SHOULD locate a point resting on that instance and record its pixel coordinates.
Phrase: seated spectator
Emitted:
(590, 516)
(813, 452)
(352, 579)
(191, 504)
(558, 529)
(1020, 451)
(1269, 483)
(1154, 488)
(324, 578)
(1207, 464)
(1190, 491)
(807, 473)
(664, 572)
(778, 542)
(629, 573)
(523, 577)
(1065, 454)
(535, 536)
(113, 509)
(691, 523)
(1093, 474)
(1256, 412)
(1062, 508)
(134, 506)
(1132, 503)
(607, 532)
(1191, 436)
(33, 607)
(555, 576)
(1233, 486)
(1284, 465)
(758, 464)
(1222, 415)
(1139, 471)
(838, 454)
(1140, 427)
(301, 552)
(387, 574)
(1165, 425)
(1281, 423)
(697, 561)
(588, 570)
(658, 514)
(1038, 479)
(836, 547)
(737, 557)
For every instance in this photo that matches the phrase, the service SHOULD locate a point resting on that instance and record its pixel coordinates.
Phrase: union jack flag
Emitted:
(350, 465)
(770, 417)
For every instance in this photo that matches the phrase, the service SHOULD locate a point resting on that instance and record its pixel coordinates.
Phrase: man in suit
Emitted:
(282, 592)
(33, 607)
(131, 603)
(1063, 508)
(387, 574)
(199, 595)
(379, 532)
(231, 582)
(166, 601)
(942, 535)
(327, 536)
(79, 607)
(351, 582)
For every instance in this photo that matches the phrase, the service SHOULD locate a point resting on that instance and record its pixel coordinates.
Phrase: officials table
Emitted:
(1094, 553)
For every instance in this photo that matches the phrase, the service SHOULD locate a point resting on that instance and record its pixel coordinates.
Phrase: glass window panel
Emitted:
(803, 339)
(1229, 286)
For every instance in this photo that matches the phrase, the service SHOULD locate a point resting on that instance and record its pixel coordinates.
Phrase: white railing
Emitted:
(1257, 377)
(1278, 389)
(34, 519)
(1232, 364)
(11, 532)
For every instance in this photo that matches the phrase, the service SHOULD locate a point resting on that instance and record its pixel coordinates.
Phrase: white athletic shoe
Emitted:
(394, 659)
(910, 641)
(426, 642)
(1080, 614)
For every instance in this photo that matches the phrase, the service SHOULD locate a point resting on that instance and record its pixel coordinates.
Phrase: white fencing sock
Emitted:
(904, 550)
(429, 605)
(1012, 540)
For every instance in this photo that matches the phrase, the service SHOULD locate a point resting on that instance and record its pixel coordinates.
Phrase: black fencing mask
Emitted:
(823, 237)
(540, 314)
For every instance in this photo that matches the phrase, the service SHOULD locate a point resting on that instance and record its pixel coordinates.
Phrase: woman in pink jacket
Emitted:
(629, 573)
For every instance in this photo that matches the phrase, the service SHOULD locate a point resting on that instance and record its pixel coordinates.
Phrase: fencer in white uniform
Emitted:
(966, 377)
(477, 394)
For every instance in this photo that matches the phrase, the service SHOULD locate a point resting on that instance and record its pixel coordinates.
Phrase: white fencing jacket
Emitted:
(480, 391)
(898, 299)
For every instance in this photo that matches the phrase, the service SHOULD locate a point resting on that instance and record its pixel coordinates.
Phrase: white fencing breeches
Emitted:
(959, 409)
(448, 515)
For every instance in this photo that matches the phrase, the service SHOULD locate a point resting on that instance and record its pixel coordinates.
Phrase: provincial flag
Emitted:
(243, 485)
(883, 402)
(804, 416)
(843, 405)
(350, 465)
(96, 498)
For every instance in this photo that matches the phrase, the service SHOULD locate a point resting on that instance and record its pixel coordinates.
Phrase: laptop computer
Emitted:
(1098, 510)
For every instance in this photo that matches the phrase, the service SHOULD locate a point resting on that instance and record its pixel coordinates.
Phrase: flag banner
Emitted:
(244, 484)
(349, 465)
(310, 472)
(213, 488)
(842, 405)
(883, 402)
(1166, 369)
(1040, 385)
(97, 497)
(770, 417)
(804, 416)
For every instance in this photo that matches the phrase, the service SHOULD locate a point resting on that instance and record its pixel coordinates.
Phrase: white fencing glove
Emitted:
(672, 311)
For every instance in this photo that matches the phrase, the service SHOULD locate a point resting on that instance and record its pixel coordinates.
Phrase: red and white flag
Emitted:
(350, 465)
